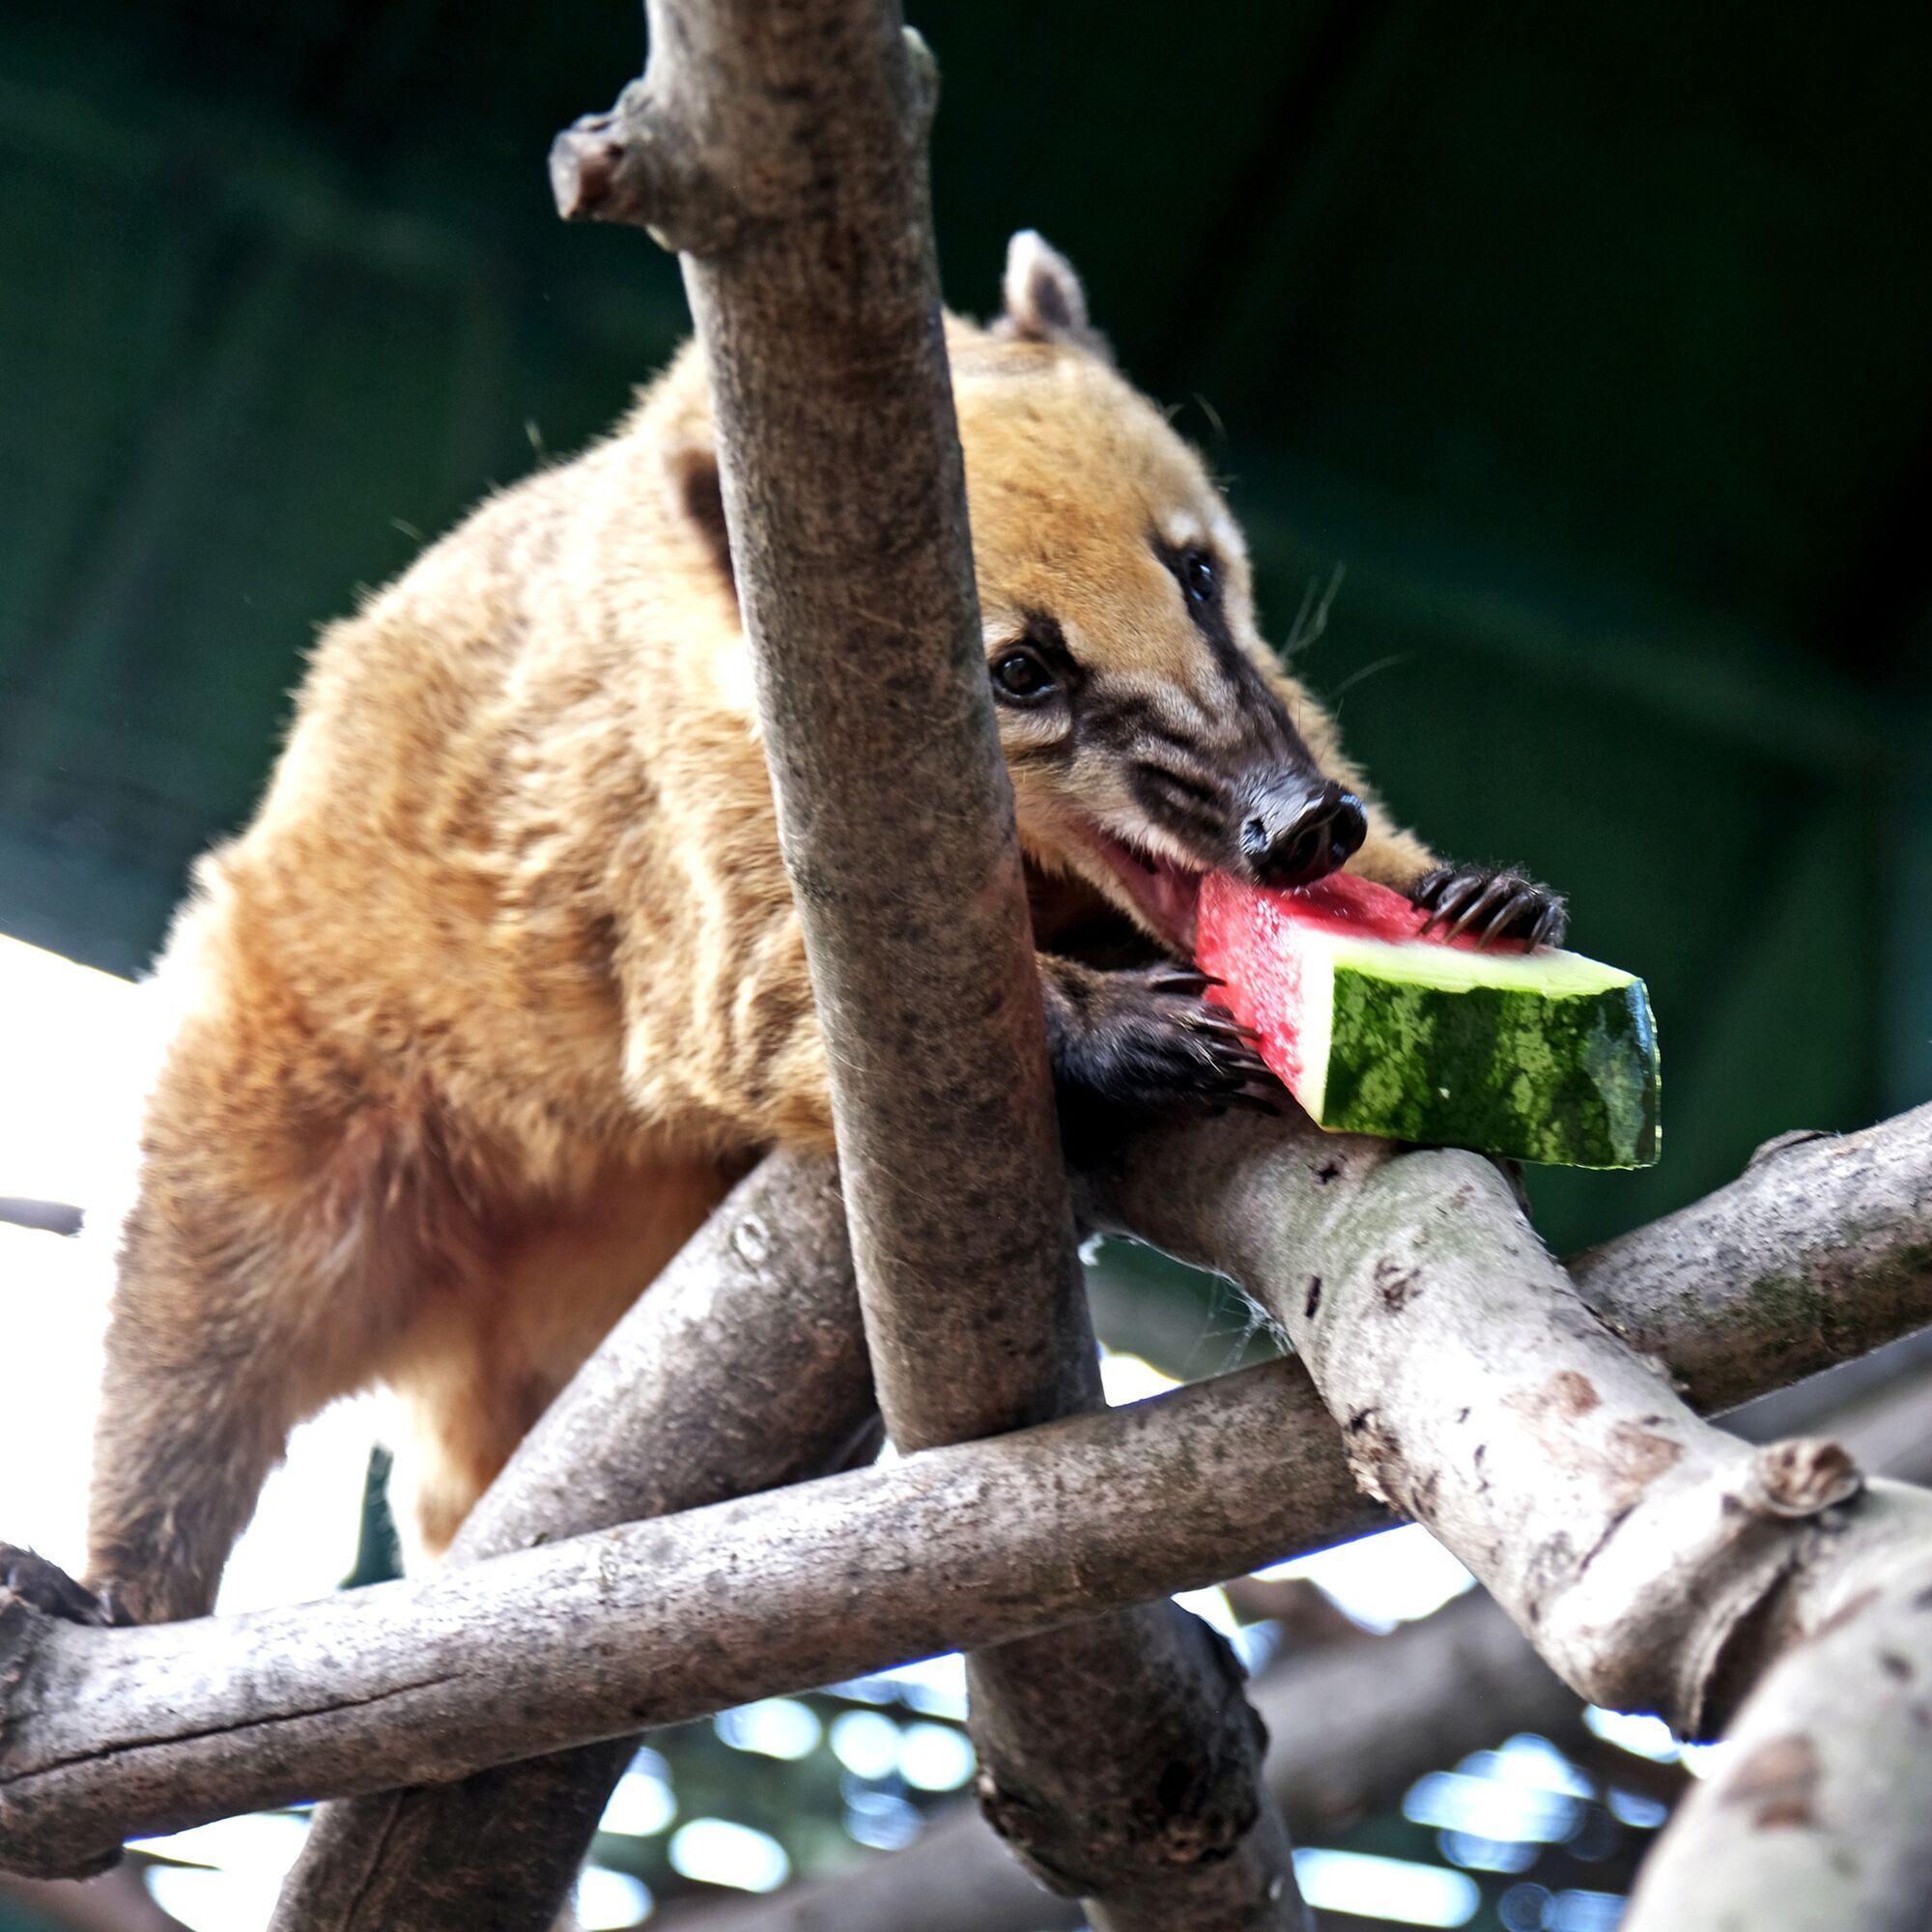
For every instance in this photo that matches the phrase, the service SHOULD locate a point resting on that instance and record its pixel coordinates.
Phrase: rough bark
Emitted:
(1658, 1563)
(119, 1733)
(1820, 1250)
(1815, 1821)
(158, 1729)
(1817, 1812)
(1353, 1726)
(742, 1369)
(782, 151)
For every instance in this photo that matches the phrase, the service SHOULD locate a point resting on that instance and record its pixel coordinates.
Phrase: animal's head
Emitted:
(1149, 732)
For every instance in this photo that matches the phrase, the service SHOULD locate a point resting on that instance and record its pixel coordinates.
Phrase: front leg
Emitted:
(1143, 1039)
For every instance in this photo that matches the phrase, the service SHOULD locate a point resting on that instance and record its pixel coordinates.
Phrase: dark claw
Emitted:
(49, 1589)
(1450, 896)
(1223, 1026)
(1522, 907)
(1143, 1041)
(1491, 904)
(1490, 901)
(1182, 979)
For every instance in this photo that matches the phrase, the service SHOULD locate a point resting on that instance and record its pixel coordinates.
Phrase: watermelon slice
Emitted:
(1542, 1055)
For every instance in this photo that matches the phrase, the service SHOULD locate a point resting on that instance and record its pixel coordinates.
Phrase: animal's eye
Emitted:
(1021, 676)
(1199, 581)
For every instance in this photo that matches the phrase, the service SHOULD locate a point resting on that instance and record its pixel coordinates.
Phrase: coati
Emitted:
(503, 986)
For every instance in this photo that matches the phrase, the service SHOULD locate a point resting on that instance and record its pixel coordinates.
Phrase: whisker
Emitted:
(1311, 626)
(1354, 678)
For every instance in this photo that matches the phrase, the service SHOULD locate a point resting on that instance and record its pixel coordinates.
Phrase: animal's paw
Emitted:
(48, 1588)
(1145, 1039)
(1488, 903)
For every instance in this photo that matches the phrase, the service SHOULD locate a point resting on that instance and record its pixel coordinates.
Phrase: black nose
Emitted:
(1295, 834)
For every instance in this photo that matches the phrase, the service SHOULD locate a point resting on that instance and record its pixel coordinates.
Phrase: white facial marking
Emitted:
(1182, 530)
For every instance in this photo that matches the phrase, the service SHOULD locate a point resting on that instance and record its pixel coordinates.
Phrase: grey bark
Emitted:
(782, 151)
(1821, 1249)
(108, 1733)
(1351, 1724)
(742, 1369)
(1815, 1821)
(1658, 1563)
(117, 1733)
(618, 1447)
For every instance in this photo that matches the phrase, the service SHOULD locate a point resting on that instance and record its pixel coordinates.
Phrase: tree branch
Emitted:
(1353, 1724)
(158, 1728)
(769, 1283)
(117, 1733)
(784, 152)
(1658, 1563)
(1820, 1250)
(1816, 1819)
(742, 1369)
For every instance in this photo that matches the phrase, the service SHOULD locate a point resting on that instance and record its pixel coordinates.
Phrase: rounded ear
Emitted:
(1045, 302)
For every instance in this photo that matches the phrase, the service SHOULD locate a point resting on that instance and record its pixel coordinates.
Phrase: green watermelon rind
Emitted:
(1547, 1056)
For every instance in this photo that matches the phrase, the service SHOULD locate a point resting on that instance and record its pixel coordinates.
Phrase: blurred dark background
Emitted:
(1589, 342)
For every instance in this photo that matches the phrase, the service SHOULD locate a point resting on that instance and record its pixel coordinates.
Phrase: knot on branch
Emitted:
(637, 164)
(1799, 1477)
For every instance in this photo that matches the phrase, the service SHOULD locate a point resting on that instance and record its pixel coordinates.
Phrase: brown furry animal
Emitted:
(505, 985)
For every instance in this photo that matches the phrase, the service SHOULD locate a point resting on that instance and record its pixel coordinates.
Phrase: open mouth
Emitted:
(1166, 895)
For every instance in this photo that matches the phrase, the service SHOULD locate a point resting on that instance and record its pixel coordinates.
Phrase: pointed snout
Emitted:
(1299, 830)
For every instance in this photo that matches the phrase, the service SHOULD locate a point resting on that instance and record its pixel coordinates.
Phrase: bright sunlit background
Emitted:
(785, 1785)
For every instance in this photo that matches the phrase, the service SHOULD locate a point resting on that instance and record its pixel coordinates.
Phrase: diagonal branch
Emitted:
(1354, 1723)
(117, 1733)
(737, 1369)
(1656, 1563)
(1818, 1251)
(742, 1369)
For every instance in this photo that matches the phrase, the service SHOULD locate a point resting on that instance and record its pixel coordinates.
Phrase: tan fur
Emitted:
(504, 984)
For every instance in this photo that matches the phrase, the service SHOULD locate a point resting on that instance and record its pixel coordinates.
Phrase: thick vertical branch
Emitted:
(784, 152)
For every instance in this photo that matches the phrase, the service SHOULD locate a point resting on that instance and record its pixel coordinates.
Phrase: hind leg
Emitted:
(478, 1372)
(213, 1356)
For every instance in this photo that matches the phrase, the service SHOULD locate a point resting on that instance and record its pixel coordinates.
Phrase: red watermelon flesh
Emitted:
(1541, 1054)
